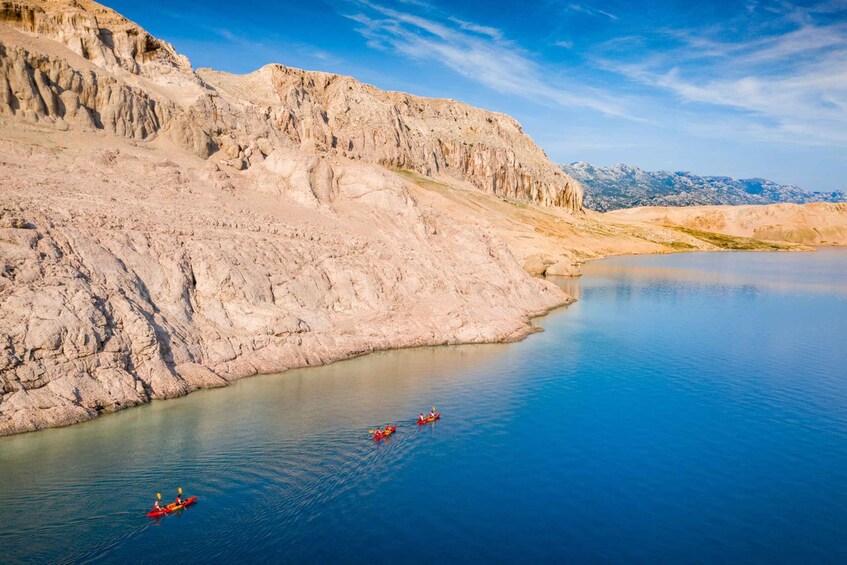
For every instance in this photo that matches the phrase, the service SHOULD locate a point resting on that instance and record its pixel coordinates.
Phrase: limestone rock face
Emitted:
(163, 230)
(340, 115)
(81, 65)
(39, 87)
(95, 33)
(105, 305)
(113, 75)
(536, 265)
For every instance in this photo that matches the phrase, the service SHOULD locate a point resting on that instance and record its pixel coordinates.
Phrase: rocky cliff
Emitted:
(119, 78)
(163, 230)
(340, 115)
(129, 273)
(80, 65)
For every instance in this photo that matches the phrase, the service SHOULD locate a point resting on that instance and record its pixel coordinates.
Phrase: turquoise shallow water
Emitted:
(687, 408)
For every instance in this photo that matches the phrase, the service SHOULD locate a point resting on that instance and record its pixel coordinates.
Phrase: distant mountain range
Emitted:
(622, 186)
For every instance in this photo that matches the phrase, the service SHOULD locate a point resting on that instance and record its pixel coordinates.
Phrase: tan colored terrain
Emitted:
(806, 224)
(550, 241)
(131, 273)
(163, 230)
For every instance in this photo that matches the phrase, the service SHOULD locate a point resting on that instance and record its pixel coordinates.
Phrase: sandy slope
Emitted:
(808, 224)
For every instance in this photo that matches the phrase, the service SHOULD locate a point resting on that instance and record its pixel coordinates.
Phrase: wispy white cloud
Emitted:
(583, 9)
(775, 73)
(491, 32)
(479, 53)
(790, 83)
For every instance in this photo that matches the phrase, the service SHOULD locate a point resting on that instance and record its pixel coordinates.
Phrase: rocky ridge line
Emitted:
(125, 81)
(623, 186)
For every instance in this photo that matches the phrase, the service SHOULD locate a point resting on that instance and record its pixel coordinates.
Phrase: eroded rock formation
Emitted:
(331, 113)
(123, 80)
(163, 230)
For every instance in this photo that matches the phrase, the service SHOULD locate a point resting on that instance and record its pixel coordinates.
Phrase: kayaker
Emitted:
(387, 429)
(432, 412)
(421, 418)
(157, 507)
(178, 499)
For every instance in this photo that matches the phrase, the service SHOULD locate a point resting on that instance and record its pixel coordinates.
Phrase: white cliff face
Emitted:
(336, 114)
(58, 66)
(159, 233)
(125, 81)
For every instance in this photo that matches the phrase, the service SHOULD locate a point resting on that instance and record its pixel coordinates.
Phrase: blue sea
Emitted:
(688, 408)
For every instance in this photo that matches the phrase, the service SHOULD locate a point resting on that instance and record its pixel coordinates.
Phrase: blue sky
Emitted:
(747, 89)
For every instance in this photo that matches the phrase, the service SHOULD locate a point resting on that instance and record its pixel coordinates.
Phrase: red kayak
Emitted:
(379, 434)
(429, 419)
(172, 507)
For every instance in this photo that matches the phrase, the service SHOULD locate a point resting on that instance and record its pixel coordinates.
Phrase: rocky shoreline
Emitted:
(105, 306)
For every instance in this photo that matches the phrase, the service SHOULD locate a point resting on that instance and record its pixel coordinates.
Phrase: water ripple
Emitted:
(667, 416)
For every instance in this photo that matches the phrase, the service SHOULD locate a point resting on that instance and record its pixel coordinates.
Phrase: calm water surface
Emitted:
(687, 408)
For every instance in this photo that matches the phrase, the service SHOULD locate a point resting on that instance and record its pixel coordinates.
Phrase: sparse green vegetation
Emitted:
(681, 245)
(412, 176)
(732, 242)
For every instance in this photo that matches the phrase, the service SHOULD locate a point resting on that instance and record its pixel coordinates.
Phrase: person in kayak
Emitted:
(157, 507)
(178, 499)
(432, 412)
(421, 418)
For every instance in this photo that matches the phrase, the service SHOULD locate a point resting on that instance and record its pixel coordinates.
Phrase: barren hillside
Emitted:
(807, 224)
